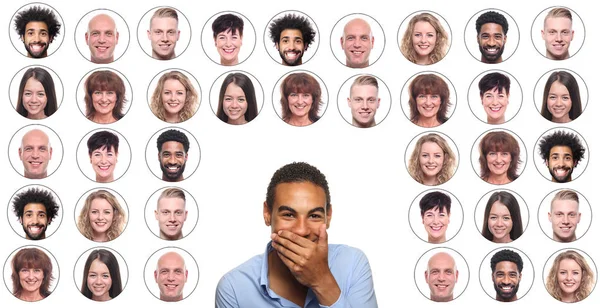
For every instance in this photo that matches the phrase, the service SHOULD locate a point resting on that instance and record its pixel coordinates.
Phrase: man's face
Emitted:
(172, 159)
(170, 214)
(564, 216)
(35, 221)
(560, 163)
(101, 38)
(36, 39)
(163, 35)
(436, 223)
(357, 43)
(35, 152)
(441, 276)
(171, 276)
(491, 40)
(506, 279)
(228, 45)
(291, 47)
(363, 103)
(298, 208)
(558, 35)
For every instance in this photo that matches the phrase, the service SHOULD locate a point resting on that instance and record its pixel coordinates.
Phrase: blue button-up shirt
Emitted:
(248, 284)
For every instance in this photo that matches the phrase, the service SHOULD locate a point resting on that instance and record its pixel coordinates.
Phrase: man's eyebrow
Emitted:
(319, 209)
(285, 208)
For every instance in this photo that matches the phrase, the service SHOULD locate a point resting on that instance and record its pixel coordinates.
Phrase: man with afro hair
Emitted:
(491, 36)
(173, 146)
(36, 208)
(37, 27)
(292, 35)
(561, 151)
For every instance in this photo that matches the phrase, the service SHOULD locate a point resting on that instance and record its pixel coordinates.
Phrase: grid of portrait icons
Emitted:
(456, 143)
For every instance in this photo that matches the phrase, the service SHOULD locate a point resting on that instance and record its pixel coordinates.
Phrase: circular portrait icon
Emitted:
(31, 273)
(35, 212)
(490, 95)
(424, 37)
(560, 96)
(562, 33)
(435, 216)
(174, 210)
(446, 274)
(100, 274)
(562, 155)
(303, 98)
(228, 38)
(38, 149)
(171, 274)
(492, 36)
(174, 95)
(104, 95)
(36, 30)
(102, 36)
(361, 97)
(291, 38)
(236, 97)
(431, 158)
(570, 275)
(357, 40)
(36, 92)
(501, 216)
(164, 33)
(169, 151)
(498, 156)
(511, 272)
(565, 215)
(101, 215)
(109, 155)
(428, 99)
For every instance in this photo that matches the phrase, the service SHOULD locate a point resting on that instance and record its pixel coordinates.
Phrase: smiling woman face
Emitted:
(431, 160)
(101, 217)
(31, 279)
(500, 223)
(173, 98)
(34, 99)
(99, 281)
(424, 39)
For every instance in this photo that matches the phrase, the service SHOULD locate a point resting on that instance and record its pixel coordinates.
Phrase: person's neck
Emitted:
(567, 297)
(428, 122)
(436, 240)
(498, 179)
(99, 237)
(31, 296)
(230, 62)
(500, 120)
(563, 119)
(571, 238)
(297, 121)
(108, 179)
(172, 118)
(37, 116)
(103, 118)
(363, 125)
(103, 298)
(484, 60)
(503, 240)
(512, 299)
(282, 282)
(238, 121)
(430, 181)
(552, 57)
(423, 60)
(103, 61)
(159, 57)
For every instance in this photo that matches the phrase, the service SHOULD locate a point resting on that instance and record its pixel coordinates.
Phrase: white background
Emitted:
(370, 188)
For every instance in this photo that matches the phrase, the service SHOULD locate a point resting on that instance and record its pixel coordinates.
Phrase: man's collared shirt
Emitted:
(248, 284)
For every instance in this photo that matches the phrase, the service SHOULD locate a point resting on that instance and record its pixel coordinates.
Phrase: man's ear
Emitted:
(266, 214)
(329, 212)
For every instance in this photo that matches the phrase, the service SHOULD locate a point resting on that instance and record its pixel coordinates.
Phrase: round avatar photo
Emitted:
(561, 96)
(300, 98)
(100, 274)
(164, 33)
(36, 92)
(565, 215)
(435, 216)
(570, 275)
(236, 97)
(558, 33)
(501, 216)
(36, 30)
(487, 36)
(35, 151)
(31, 273)
(228, 38)
(102, 36)
(428, 99)
(174, 95)
(498, 156)
(561, 155)
(511, 272)
(35, 212)
(357, 40)
(171, 274)
(431, 158)
(171, 213)
(364, 101)
(442, 274)
(169, 151)
(104, 95)
(291, 38)
(108, 153)
(424, 37)
(491, 94)
(101, 215)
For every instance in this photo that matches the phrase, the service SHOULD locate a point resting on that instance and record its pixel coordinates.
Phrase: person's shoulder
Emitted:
(248, 271)
(345, 253)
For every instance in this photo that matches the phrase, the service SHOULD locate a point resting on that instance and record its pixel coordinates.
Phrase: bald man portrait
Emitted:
(441, 276)
(171, 276)
(102, 37)
(357, 43)
(35, 152)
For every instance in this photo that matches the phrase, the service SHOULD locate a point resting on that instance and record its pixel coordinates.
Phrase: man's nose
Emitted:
(301, 227)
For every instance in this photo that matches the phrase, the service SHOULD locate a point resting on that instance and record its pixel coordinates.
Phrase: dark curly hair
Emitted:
(291, 21)
(173, 135)
(491, 17)
(562, 138)
(297, 172)
(37, 13)
(507, 255)
(35, 195)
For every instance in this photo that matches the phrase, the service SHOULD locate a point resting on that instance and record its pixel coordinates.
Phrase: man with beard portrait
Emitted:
(561, 151)
(507, 267)
(491, 36)
(173, 147)
(292, 35)
(37, 27)
(36, 208)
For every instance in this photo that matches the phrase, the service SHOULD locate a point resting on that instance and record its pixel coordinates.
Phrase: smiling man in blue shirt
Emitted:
(299, 268)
